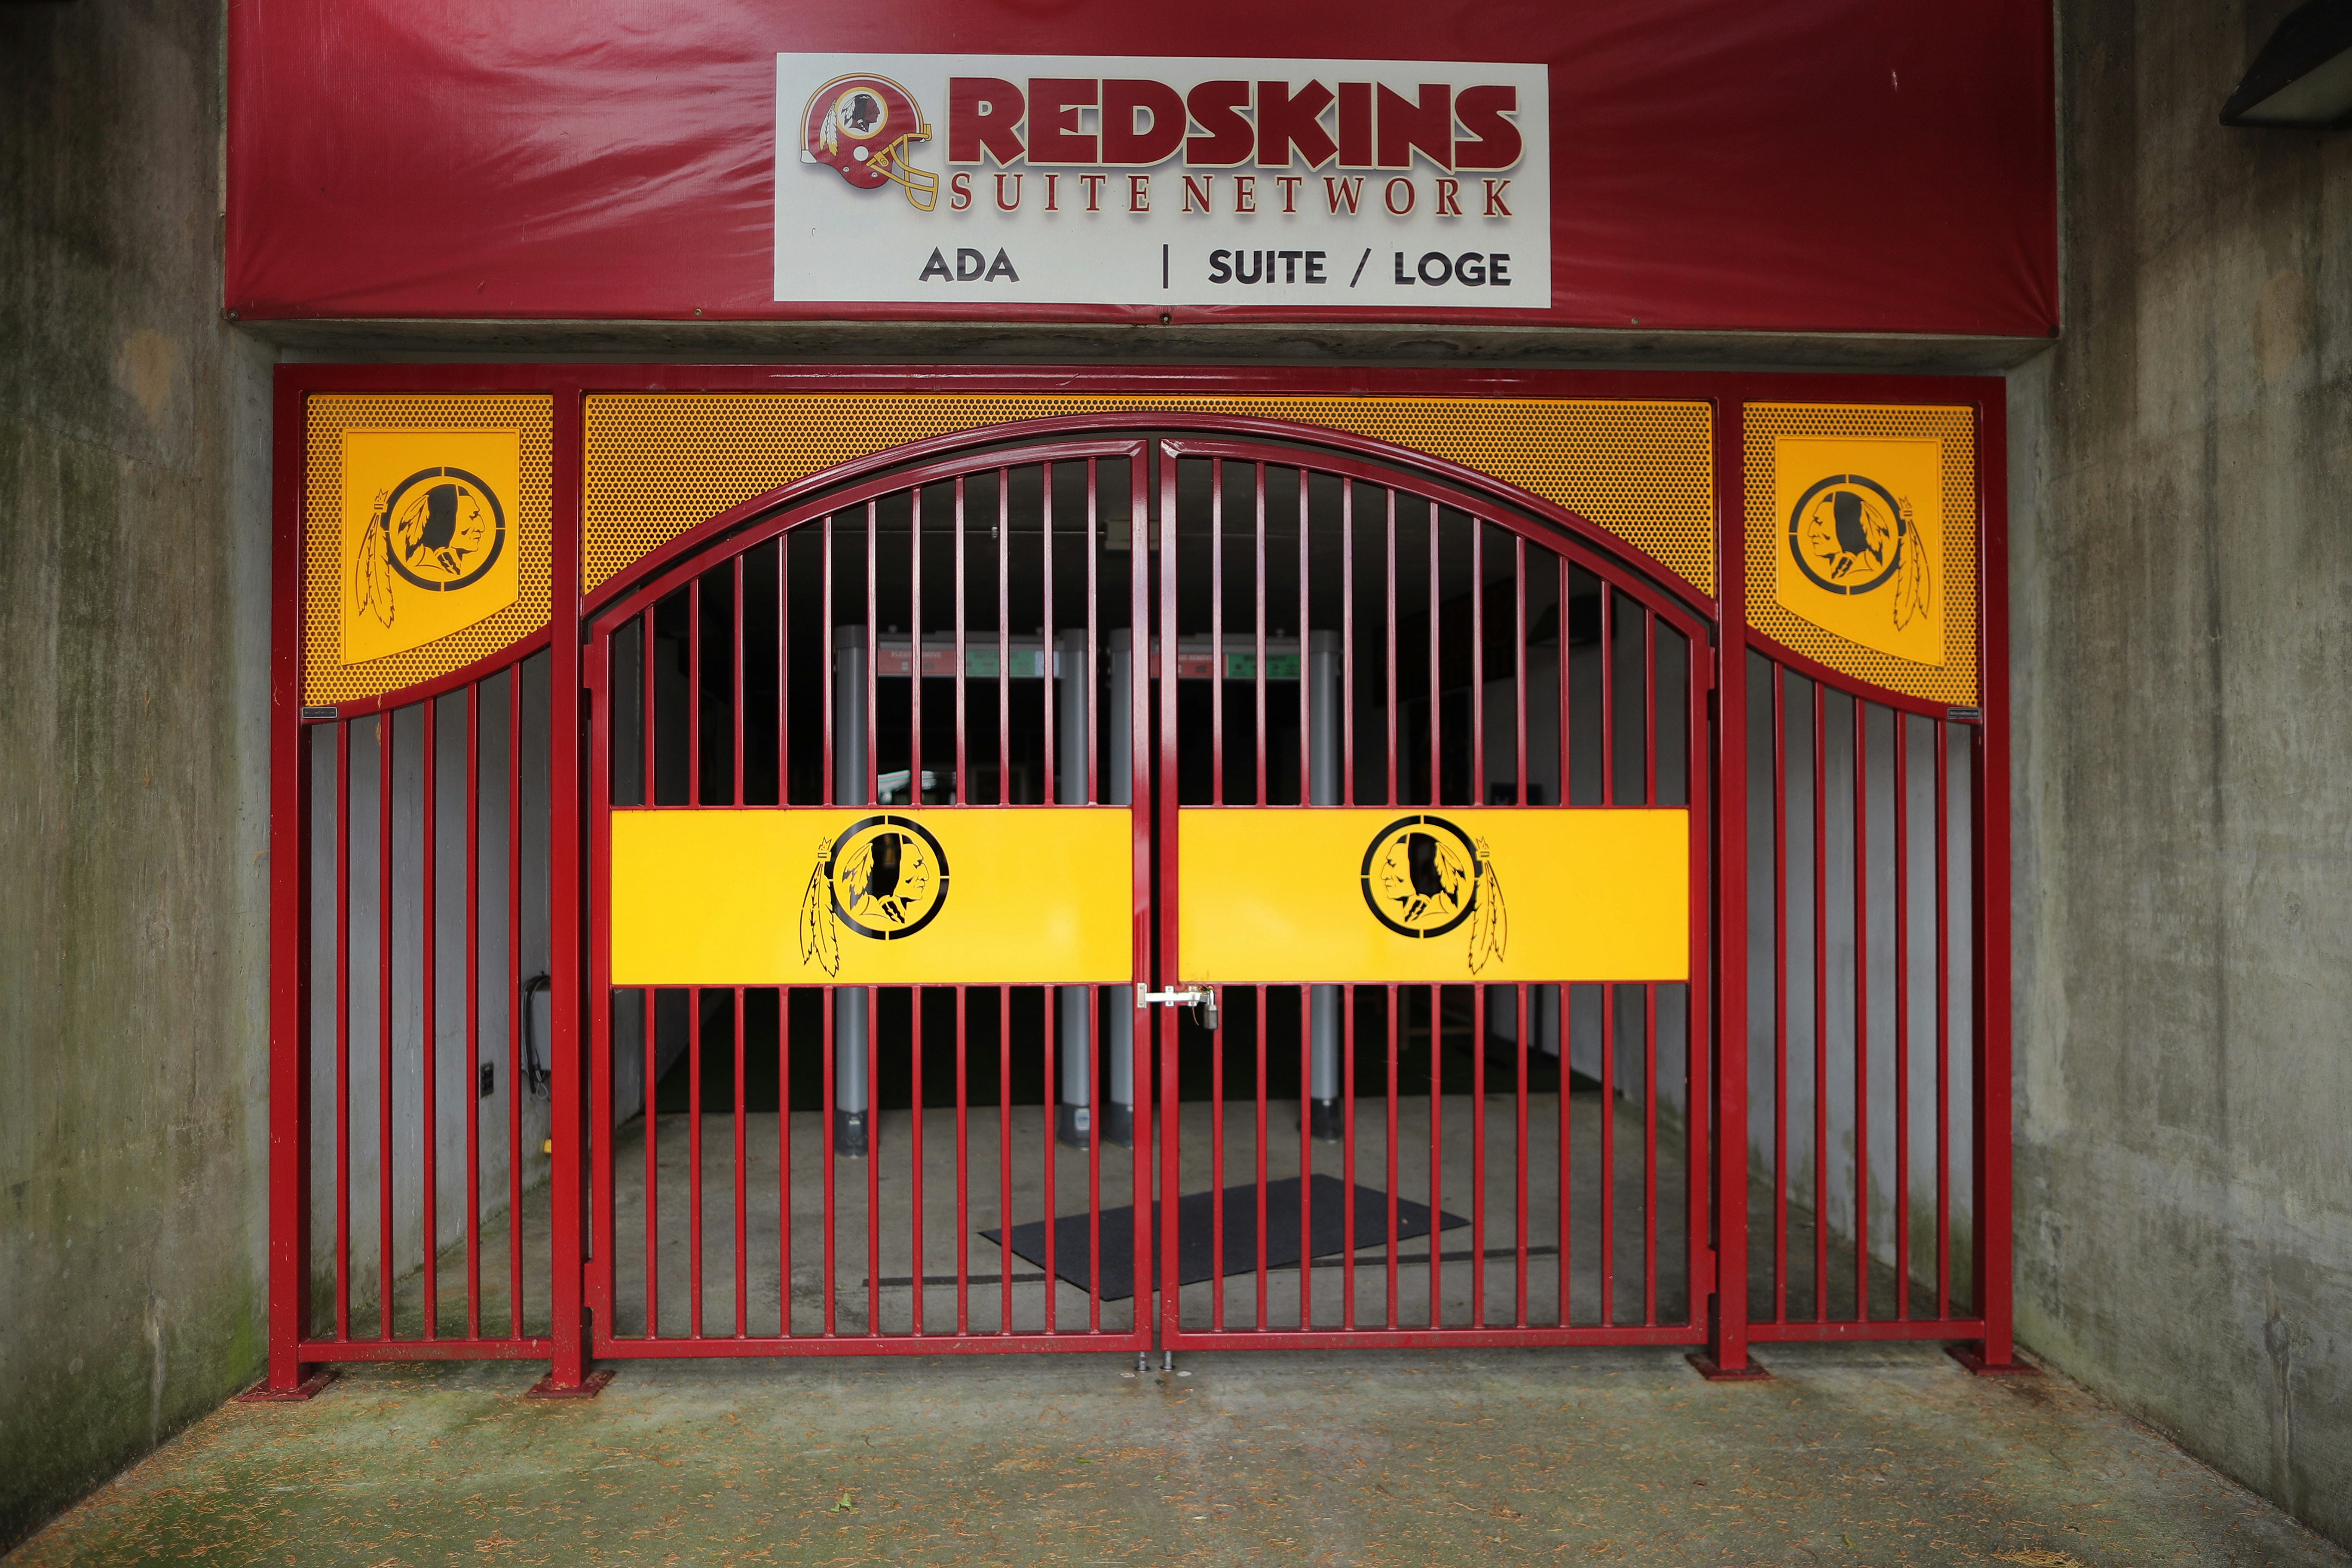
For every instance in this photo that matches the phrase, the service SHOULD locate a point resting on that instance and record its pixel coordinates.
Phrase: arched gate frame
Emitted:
(1756, 1109)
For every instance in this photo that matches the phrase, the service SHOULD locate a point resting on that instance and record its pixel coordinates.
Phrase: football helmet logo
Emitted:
(861, 125)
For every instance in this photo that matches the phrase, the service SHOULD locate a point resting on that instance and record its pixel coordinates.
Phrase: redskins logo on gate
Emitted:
(882, 878)
(1423, 877)
(1849, 536)
(860, 126)
(438, 532)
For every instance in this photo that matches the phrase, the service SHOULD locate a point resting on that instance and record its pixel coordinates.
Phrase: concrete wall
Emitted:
(2182, 583)
(133, 634)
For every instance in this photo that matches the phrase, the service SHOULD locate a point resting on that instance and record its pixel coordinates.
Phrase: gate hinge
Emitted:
(1704, 1285)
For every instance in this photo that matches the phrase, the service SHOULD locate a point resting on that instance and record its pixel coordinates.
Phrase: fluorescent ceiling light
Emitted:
(2302, 77)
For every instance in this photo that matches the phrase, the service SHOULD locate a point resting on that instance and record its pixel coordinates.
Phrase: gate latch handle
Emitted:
(1200, 998)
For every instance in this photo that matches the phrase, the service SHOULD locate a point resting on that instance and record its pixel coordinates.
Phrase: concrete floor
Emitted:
(1849, 1455)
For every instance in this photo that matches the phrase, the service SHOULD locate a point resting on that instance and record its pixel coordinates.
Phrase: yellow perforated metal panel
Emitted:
(1955, 680)
(325, 575)
(659, 463)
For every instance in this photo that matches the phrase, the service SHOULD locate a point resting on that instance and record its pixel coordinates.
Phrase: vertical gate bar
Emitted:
(645, 667)
(1607, 1107)
(1477, 1096)
(1782, 906)
(1347, 1148)
(1861, 1010)
(1608, 710)
(784, 1105)
(1216, 1172)
(1306, 614)
(1519, 677)
(1902, 1021)
(1094, 1161)
(873, 726)
(568, 889)
(428, 1044)
(1650, 1149)
(963, 770)
(742, 1219)
(1137, 642)
(1525, 1019)
(1347, 737)
(826, 1050)
(915, 1116)
(1216, 647)
(736, 704)
(963, 1033)
(1347, 798)
(385, 904)
(653, 1169)
(1436, 762)
(1258, 585)
(784, 993)
(1394, 1262)
(1306, 1071)
(1720, 1098)
(1821, 1007)
(344, 1029)
(1436, 1076)
(1649, 706)
(1478, 993)
(474, 1010)
(873, 1111)
(1003, 659)
(1049, 675)
(784, 737)
(1716, 1038)
(1003, 1135)
(1148, 926)
(693, 692)
(1567, 793)
(1478, 689)
(825, 1044)
(1047, 1053)
(694, 1145)
(1258, 998)
(1394, 745)
(1943, 1031)
(915, 693)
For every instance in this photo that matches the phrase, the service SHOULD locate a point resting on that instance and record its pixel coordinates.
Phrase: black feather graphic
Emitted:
(820, 943)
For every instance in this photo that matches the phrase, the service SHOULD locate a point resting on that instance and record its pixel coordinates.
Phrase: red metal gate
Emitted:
(1191, 624)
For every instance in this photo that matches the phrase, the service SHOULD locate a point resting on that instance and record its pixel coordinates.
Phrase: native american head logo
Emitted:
(882, 878)
(436, 531)
(1851, 536)
(1424, 876)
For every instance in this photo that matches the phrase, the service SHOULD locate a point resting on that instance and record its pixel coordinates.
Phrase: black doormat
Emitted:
(1195, 1231)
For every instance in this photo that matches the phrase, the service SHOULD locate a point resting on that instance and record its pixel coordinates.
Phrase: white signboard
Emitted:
(1125, 180)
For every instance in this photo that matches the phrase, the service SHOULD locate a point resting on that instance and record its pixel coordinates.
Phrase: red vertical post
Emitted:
(1150, 656)
(290, 921)
(1990, 926)
(566, 843)
(1727, 1342)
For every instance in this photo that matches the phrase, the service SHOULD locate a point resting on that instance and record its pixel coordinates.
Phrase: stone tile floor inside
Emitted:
(1848, 1456)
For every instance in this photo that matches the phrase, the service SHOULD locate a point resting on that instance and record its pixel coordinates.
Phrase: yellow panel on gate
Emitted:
(659, 463)
(1387, 893)
(852, 896)
(1882, 583)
